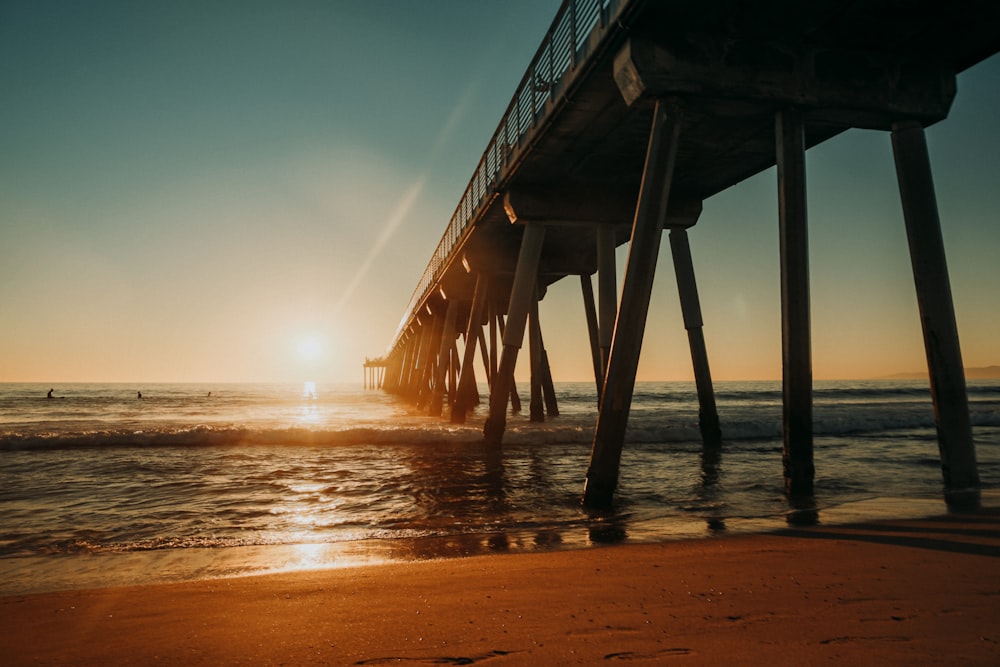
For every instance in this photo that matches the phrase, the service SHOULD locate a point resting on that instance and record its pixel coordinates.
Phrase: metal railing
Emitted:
(565, 46)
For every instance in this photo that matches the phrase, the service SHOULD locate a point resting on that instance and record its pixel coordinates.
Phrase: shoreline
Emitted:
(913, 591)
(31, 575)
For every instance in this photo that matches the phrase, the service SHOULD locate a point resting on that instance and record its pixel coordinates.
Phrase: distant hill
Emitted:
(983, 373)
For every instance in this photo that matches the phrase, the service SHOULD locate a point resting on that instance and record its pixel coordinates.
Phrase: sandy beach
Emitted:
(894, 592)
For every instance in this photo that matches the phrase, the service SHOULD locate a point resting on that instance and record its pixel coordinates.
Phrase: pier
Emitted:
(631, 114)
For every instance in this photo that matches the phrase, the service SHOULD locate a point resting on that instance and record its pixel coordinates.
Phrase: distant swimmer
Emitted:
(140, 394)
(50, 393)
(210, 394)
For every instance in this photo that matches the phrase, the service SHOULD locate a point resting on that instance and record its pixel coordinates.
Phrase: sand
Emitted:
(892, 593)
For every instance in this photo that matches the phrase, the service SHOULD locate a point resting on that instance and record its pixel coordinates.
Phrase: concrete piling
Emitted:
(444, 356)
(590, 311)
(796, 342)
(521, 296)
(472, 331)
(687, 288)
(650, 214)
(937, 315)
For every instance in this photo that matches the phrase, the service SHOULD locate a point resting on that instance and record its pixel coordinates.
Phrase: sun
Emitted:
(310, 348)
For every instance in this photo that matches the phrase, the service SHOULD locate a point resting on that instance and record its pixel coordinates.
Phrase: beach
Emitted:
(921, 591)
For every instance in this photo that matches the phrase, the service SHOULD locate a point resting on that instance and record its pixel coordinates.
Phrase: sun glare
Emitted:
(310, 349)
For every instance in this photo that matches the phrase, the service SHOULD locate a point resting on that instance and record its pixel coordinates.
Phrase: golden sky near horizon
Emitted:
(250, 192)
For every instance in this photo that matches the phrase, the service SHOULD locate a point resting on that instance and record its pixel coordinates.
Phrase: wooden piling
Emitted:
(494, 319)
(548, 387)
(515, 399)
(485, 356)
(410, 361)
(590, 310)
(472, 329)
(522, 292)
(453, 362)
(937, 315)
(444, 350)
(687, 289)
(536, 405)
(647, 226)
(607, 287)
(425, 372)
(417, 362)
(796, 345)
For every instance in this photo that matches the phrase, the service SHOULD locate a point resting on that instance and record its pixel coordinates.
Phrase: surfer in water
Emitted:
(49, 395)
(139, 393)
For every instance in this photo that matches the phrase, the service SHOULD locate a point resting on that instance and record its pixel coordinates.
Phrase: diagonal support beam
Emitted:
(472, 332)
(687, 289)
(650, 214)
(443, 366)
(590, 310)
(937, 316)
(521, 296)
(607, 291)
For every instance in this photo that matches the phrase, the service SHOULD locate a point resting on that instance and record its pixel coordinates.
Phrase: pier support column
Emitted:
(467, 380)
(796, 344)
(590, 309)
(647, 227)
(493, 317)
(521, 295)
(485, 355)
(443, 357)
(687, 288)
(607, 288)
(434, 329)
(548, 387)
(937, 315)
(453, 362)
(536, 405)
(515, 399)
(421, 342)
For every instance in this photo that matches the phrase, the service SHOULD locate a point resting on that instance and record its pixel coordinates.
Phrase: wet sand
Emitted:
(895, 592)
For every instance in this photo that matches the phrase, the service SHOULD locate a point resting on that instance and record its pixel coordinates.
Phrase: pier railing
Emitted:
(578, 27)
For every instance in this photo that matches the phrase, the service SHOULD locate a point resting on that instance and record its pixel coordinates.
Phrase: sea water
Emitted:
(101, 487)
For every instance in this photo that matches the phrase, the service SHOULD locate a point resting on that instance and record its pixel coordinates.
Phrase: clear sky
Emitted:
(249, 191)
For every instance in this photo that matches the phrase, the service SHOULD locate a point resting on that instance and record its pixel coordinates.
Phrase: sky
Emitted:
(250, 191)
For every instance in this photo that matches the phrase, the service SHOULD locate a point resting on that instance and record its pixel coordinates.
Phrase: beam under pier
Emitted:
(796, 343)
(521, 296)
(687, 288)
(515, 399)
(493, 361)
(466, 381)
(536, 405)
(650, 214)
(418, 360)
(607, 288)
(548, 387)
(590, 310)
(435, 328)
(444, 352)
(937, 315)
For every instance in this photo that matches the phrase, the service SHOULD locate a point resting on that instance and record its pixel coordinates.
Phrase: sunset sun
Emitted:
(310, 348)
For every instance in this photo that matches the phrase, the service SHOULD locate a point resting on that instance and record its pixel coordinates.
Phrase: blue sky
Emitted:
(190, 190)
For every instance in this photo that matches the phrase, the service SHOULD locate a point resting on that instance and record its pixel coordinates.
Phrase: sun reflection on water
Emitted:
(309, 390)
(309, 414)
(309, 556)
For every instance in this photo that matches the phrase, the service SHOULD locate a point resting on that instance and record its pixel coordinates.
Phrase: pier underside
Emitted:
(675, 102)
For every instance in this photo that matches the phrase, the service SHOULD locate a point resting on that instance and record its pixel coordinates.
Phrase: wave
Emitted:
(650, 428)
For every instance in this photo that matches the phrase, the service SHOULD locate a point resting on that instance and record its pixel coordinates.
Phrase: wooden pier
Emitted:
(634, 112)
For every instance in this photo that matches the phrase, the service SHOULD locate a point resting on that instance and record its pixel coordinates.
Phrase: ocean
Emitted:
(99, 487)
